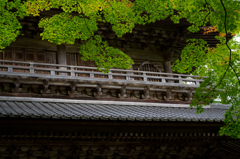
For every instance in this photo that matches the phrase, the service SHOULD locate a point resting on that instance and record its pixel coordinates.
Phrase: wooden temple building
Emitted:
(53, 105)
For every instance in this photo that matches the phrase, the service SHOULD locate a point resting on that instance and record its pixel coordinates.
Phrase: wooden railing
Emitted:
(92, 73)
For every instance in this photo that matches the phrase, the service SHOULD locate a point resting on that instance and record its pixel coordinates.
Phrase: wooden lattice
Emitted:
(149, 67)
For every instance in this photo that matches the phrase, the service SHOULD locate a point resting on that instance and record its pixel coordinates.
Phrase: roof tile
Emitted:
(57, 110)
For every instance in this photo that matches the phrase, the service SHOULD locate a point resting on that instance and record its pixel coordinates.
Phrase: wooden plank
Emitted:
(7, 55)
(30, 55)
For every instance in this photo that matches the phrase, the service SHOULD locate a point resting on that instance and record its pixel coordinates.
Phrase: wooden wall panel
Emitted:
(80, 62)
(44, 56)
(19, 54)
(47, 57)
(8, 54)
(51, 57)
(30, 55)
(71, 59)
(92, 64)
(40, 56)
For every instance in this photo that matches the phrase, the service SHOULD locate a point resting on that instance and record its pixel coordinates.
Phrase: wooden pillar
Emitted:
(168, 69)
(61, 54)
(61, 57)
(167, 66)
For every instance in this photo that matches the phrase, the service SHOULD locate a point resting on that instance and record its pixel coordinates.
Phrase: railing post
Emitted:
(109, 75)
(163, 80)
(10, 69)
(180, 80)
(72, 71)
(144, 76)
(31, 70)
(91, 75)
(52, 72)
(197, 83)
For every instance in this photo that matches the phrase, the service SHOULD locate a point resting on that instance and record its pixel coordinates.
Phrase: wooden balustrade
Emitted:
(31, 69)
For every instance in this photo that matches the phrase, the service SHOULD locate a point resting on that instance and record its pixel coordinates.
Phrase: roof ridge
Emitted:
(52, 100)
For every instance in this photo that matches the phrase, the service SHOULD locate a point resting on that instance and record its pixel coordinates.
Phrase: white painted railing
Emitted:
(82, 72)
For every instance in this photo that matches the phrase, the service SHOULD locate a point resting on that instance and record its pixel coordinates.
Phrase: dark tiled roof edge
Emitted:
(94, 111)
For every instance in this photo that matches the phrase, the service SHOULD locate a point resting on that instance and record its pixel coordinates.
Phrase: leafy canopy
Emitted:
(79, 20)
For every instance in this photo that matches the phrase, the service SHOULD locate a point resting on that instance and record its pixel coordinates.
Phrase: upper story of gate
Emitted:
(32, 67)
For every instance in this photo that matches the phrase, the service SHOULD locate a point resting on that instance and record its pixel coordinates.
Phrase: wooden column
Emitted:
(61, 54)
(167, 62)
(61, 57)
(130, 73)
(168, 69)
(167, 66)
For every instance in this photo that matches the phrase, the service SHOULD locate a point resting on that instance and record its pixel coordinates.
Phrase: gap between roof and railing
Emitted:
(82, 72)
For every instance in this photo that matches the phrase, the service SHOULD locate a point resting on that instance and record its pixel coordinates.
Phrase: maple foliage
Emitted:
(216, 66)
(220, 64)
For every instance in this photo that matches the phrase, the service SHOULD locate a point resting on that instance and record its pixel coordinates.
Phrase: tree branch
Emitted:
(230, 53)
(208, 11)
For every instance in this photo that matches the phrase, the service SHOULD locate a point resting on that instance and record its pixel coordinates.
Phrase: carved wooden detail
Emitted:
(169, 94)
(189, 94)
(123, 92)
(98, 90)
(73, 86)
(147, 92)
(45, 85)
(16, 88)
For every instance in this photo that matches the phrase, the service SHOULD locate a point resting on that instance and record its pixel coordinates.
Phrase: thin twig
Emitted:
(235, 73)
(208, 11)
(230, 55)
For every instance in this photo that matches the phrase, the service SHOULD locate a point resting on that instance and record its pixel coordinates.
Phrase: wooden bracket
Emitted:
(135, 94)
(17, 88)
(160, 96)
(147, 92)
(189, 95)
(123, 91)
(73, 87)
(98, 90)
(182, 96)
(169, 95)
(45, 89)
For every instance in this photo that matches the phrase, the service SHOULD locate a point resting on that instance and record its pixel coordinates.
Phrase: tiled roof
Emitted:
(91, 111)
